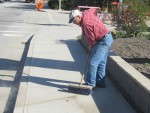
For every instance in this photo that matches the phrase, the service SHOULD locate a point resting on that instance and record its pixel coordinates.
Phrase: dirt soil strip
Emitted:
(135, 51)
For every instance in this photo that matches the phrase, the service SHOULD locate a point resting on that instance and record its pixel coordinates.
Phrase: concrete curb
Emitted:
(133, 85)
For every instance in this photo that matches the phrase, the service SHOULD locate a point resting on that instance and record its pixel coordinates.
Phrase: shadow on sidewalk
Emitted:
(103, 97)
(76, 52)
(46, 81)
(8, 65)
(54, 64)
(6, 83)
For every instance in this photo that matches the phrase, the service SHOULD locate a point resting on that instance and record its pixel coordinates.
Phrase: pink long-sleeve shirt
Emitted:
(92, 26)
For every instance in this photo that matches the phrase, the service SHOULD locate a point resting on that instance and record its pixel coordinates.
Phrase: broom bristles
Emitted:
(80, 89)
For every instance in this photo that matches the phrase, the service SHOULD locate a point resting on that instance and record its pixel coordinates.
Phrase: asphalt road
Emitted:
(17, 25)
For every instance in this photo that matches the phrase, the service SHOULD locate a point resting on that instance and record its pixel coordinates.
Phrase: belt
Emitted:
(103, 36)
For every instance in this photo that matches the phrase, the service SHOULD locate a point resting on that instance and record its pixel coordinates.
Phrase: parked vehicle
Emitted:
(2, 1)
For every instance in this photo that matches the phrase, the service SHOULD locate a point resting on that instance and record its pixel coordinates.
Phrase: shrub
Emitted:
(53, 4)
(132, 19)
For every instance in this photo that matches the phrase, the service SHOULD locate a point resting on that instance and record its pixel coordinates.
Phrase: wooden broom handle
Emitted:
(87, 59)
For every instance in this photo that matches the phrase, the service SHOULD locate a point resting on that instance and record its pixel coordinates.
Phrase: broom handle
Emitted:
(85, 67)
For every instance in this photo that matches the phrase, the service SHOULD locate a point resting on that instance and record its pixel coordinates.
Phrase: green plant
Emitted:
(53, 4)
(144, 35)
(147, 64)
(132, 18)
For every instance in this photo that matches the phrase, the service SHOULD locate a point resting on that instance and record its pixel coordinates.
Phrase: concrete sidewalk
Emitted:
(55, 59)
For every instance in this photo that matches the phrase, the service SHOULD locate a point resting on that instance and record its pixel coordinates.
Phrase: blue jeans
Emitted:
(97, 61)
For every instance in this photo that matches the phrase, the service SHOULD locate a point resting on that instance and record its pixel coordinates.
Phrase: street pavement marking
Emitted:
(12, 35)
(13, 32)
(13, 26)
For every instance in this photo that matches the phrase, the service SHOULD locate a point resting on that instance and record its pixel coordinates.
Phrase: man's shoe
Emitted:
(100, 85)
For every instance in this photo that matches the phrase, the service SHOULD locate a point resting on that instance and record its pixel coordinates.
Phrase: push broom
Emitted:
(81, 88)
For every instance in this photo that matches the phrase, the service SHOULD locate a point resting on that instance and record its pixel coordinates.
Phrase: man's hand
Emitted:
(98, 9)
